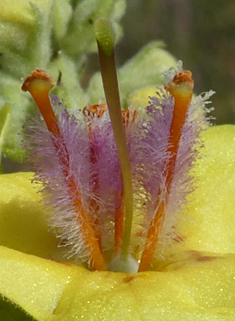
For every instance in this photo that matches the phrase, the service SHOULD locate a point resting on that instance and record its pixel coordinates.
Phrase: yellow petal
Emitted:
(33, 283)
(192, 292)
(193, 289)
(22, 219)
(50, 291)
(140, 98)
(209, 219)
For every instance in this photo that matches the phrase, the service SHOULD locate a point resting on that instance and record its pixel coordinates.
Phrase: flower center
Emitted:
(90, 223)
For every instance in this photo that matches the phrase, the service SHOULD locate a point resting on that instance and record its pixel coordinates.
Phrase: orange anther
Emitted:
(92, 110)
(128, 116)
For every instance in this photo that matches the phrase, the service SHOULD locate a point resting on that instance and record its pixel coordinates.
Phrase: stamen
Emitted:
(181, 88)
(126, 119)
(106, 42)
(90, 111)
(39, 84)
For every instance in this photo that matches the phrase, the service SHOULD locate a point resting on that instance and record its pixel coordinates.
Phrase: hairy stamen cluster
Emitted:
(78, 162)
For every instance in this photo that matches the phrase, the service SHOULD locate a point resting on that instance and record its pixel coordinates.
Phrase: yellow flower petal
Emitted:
(197, 290)
(193, 288)
(192, 292)
(140, 98)
(208, 221)
(22, 219)
(33, 283)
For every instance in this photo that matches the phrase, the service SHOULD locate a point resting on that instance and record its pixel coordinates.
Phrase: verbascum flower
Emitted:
(123, 190)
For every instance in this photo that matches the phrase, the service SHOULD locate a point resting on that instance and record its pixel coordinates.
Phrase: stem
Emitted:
(105, 43)
(119, 225)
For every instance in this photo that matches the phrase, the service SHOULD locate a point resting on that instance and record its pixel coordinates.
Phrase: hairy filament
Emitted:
(181, 88)
(90, 111)
(39, 85)
(105, 41)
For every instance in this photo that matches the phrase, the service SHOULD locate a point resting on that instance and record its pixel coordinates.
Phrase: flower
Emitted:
(127, 177)
(199, 285)
(76, 160)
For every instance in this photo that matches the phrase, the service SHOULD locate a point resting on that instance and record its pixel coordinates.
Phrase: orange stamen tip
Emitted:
(182, 84)
(92, 110)
(128, 117)
(41, 75)
(183, 76)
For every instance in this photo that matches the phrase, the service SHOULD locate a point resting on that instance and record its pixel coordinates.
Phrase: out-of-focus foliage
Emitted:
(143, 70)
(200, 33)
(57, 36)
(48, 34)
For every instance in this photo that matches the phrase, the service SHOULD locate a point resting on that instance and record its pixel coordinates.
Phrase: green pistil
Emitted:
(105, 36)
(106, 41)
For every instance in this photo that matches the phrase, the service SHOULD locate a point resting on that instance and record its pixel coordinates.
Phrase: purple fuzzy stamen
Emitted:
(95, 165)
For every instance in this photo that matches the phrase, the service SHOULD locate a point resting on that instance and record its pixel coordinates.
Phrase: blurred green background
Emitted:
(199, 32)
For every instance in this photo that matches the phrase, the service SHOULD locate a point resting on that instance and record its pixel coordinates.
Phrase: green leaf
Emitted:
(38, 34)
(25, 30)
(69, 91)
(25, 44)
(61, 15)
(11, 312)
(80, 35)
(10, 92)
